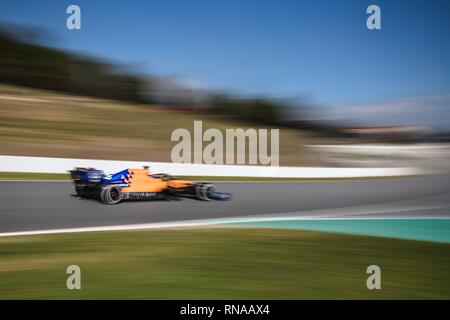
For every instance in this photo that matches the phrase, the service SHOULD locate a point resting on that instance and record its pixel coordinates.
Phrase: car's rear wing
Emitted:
(86, 174)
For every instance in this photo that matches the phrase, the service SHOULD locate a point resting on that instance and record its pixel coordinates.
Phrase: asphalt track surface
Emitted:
(27, 205)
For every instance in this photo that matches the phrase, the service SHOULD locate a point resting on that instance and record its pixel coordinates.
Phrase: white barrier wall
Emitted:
(62, 165)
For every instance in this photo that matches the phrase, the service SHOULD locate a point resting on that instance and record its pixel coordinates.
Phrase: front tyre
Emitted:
(111, 195)
(204, 190)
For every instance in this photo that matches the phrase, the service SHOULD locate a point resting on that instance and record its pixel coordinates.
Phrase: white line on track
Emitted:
(221, 222)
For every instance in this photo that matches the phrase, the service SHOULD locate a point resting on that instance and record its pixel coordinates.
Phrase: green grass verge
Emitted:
(33, 176)
(62, 176)
(221, 263)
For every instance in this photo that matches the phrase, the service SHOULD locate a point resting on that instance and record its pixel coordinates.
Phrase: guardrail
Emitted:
(62, 165)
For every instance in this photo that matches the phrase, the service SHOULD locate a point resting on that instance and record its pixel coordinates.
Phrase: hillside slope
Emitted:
(43, 123)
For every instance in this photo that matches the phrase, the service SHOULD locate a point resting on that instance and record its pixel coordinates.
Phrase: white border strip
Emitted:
(62, 165)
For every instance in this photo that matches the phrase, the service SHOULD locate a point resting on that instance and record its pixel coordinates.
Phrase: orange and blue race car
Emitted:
(139, 184)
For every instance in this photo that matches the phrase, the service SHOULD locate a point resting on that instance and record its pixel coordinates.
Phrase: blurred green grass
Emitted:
(221, 263)
(33, 176)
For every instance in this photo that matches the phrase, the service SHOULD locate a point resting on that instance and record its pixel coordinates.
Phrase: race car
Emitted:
(139, 184)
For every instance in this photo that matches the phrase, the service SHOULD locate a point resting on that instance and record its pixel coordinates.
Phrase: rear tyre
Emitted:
(79, 191)
(111, 195)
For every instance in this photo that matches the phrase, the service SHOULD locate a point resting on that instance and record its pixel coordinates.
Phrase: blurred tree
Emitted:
(32, 65)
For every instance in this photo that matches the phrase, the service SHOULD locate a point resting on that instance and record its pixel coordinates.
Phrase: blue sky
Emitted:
(318, 49)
